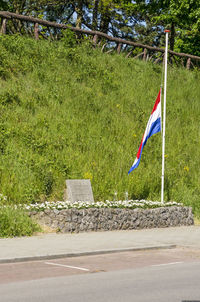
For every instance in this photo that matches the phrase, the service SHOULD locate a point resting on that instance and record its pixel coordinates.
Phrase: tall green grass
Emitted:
(69, 111)
(15, 222)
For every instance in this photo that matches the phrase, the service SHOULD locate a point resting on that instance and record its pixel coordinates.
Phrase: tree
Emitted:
(181, 17)
(139, 20)
(3, 5)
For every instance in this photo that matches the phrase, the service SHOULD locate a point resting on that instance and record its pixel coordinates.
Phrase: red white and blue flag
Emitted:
(153, 127)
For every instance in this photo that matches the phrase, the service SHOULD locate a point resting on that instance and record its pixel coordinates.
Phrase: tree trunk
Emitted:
(79, 11)
(95, 15)
(172, 36)
(105, 20)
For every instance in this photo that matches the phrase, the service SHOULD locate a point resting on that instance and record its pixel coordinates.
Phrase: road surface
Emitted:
(153, 275)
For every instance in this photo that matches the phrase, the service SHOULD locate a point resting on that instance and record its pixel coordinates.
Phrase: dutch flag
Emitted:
(153, 126)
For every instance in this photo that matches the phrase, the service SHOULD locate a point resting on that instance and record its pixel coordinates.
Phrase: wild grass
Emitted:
(16, 222)
(69, 111)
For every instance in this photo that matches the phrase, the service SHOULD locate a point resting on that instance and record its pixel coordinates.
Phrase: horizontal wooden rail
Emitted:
(119, 41)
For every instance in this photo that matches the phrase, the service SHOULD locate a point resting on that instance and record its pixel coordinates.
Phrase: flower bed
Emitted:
(122, 204)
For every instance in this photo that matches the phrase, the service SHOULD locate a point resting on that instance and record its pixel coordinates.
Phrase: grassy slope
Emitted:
(77, 113)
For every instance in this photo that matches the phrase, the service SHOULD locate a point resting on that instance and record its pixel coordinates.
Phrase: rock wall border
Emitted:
(108, 219)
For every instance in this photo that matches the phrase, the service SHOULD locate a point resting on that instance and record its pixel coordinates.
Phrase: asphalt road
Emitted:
(156, 275)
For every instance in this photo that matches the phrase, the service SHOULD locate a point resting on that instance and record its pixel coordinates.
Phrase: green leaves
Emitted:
(181, 17)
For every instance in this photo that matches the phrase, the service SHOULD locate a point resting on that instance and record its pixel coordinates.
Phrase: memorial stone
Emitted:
(78, 190)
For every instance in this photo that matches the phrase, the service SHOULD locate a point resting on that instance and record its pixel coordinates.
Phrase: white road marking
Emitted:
(170, 263)
(68, 266)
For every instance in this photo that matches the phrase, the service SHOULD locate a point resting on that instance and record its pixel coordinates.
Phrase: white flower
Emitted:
(59, 205)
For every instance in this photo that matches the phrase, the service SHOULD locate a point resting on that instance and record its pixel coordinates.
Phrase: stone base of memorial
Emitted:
(108, 219)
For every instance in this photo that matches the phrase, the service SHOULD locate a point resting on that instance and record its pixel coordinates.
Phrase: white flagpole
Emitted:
(164, 119)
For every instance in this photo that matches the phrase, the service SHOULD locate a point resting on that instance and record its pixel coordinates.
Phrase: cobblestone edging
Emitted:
(107, 219)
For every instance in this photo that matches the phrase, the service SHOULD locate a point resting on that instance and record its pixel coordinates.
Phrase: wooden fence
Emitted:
(155, 54)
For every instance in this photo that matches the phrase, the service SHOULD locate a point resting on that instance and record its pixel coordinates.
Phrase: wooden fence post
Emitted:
(145, 54)
(95, 40)
(3, 26)
(119, 47)
(36, 31)
(188, 63)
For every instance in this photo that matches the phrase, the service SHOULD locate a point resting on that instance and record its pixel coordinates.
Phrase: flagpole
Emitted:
(164, 119)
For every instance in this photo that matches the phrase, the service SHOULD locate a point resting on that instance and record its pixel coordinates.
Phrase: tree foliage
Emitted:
(138, 20)
(181, 17)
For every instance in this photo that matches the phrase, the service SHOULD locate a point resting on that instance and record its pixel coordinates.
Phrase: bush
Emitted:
(15, 222)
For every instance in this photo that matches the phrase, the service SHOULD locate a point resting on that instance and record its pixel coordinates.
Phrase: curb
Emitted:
(89, 253)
